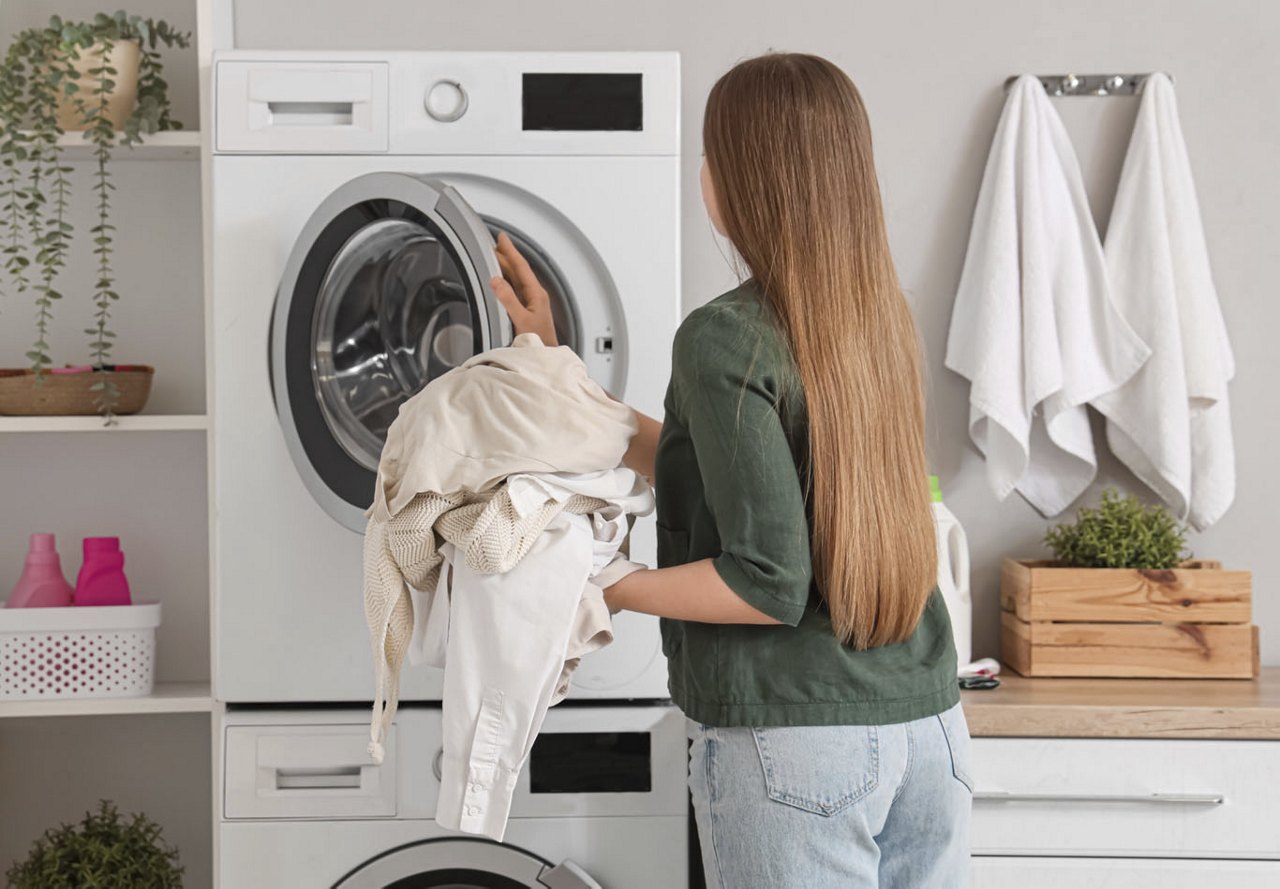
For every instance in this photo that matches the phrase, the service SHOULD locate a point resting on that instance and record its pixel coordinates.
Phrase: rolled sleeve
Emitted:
(752, 486)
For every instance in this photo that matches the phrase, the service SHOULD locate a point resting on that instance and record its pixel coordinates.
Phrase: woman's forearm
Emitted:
(644, 446)
(693, 592)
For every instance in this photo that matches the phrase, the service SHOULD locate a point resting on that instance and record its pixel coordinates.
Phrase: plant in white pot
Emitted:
(102, 77)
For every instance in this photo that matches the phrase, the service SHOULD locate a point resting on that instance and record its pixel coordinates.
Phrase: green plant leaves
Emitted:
(104, 850)
(1120, 533)
(38, 71)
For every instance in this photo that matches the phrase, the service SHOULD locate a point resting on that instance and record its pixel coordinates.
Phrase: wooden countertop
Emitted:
(1127, 708)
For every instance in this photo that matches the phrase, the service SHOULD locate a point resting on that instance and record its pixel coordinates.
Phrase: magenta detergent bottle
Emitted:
(101, 580)
(41, 584)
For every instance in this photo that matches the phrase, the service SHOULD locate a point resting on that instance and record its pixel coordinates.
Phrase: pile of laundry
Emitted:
(497, 521)
(1048, 321)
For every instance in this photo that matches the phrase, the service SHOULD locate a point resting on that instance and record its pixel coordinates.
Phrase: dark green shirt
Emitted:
(728, 489)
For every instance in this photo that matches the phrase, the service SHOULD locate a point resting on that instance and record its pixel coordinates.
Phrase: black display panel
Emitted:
(590, 762)
(583, 102)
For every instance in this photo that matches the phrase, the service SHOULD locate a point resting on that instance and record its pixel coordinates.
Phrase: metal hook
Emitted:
(1089, 84)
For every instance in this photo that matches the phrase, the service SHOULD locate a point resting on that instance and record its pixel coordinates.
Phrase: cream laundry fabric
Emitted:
(515, 609)
(524, 408)
(509, 642)
(486, 533)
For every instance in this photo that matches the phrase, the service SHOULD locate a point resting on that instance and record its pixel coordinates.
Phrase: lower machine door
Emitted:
(464, 864)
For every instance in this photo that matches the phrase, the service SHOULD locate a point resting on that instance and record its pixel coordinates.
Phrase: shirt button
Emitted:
(473, 810)
(477, 787)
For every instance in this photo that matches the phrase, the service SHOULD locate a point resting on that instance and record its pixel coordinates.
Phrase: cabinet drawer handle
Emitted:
(1153, 799)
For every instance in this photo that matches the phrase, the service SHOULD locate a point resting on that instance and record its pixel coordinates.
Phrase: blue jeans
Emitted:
(814, 807)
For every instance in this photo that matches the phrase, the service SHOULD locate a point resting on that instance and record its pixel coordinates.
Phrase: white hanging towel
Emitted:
(1033, 327)
(1171, 423)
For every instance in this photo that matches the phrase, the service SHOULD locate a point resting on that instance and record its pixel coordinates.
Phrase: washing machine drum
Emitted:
(464, 864)
(387, 288)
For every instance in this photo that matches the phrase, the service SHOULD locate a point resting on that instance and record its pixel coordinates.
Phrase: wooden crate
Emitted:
(1196, 592)
(1193, 621)
(1101, 650)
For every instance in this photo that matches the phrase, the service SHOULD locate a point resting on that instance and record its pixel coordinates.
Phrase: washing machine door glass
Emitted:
(464, 864)
(387, 288)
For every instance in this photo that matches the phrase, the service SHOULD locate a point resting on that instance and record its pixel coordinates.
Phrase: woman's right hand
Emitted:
(518, 290)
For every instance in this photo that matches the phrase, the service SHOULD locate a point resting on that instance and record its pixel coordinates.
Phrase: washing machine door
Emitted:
(464, 864)
(387, 288)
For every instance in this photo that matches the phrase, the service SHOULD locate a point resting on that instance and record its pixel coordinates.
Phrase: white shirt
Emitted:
(508, 643)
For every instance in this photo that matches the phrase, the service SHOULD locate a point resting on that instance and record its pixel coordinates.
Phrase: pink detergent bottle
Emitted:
(101, 580)
(41, 584)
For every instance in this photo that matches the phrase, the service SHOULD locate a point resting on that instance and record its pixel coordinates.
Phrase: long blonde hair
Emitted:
(788, 147)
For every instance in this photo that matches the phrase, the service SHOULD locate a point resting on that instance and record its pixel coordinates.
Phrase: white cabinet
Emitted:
(1120, 873)
(1128, 798)
(1056, 813)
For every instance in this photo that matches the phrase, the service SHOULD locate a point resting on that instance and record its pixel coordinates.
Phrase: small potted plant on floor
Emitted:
(102, 77)
(1122, 598)
(104, 850)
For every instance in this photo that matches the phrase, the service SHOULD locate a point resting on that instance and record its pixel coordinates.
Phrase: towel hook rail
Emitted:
(1088, 84)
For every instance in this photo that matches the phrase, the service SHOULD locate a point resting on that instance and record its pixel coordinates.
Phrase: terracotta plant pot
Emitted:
(71, 394)
(124, 58)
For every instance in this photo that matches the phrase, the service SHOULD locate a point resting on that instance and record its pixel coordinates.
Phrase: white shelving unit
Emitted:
(168, 697)
(154, 754)
(134, 423)
(168, 146)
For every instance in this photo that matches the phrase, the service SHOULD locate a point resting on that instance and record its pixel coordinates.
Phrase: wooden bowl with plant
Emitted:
(105, 78)
(1123, 598)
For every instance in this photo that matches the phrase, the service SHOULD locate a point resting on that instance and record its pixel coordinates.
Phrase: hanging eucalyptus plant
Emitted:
(45, 70)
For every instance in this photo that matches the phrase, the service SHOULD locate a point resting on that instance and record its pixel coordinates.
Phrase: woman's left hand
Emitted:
(521, 294)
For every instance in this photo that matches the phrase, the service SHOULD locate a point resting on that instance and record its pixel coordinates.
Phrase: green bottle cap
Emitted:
(935, 489)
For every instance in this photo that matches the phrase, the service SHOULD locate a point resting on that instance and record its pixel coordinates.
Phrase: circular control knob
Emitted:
(446, 101)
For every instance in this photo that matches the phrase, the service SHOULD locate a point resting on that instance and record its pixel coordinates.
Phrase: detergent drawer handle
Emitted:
(346, 778)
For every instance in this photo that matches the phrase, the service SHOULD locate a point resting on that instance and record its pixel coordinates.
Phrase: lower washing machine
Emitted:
(601, 804)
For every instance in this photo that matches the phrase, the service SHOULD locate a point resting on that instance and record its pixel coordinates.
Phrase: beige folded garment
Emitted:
(525, 408)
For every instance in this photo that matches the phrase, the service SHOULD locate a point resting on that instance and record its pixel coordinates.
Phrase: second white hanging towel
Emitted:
(1171, 423)
(1033, 327)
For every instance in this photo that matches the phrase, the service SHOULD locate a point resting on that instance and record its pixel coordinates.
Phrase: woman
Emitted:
(806, 641)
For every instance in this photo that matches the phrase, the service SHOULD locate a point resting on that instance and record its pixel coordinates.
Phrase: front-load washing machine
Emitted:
(595, 807)
(354, 199)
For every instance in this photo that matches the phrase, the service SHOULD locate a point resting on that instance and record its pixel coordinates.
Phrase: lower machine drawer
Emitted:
(1148, 799)
(1121, 873)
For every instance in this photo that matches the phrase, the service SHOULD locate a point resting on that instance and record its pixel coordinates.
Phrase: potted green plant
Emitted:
(104, 77)
(104, 850)
(1123, 598)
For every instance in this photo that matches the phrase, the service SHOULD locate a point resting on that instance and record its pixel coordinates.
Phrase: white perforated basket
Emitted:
(107, 652)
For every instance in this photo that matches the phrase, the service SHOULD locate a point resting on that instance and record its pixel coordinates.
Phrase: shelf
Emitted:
(168, 697)
(166, 146)
(134, 423)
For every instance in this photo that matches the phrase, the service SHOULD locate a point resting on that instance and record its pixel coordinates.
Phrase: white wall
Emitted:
(931, 74)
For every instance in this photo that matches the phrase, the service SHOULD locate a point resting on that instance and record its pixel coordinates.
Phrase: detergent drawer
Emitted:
(313, 106)
(307, 771)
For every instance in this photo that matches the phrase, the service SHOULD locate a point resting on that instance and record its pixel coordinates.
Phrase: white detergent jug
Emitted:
(953, 574)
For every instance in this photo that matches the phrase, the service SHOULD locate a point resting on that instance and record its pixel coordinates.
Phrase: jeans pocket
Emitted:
(820, 769)
(956, 731)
